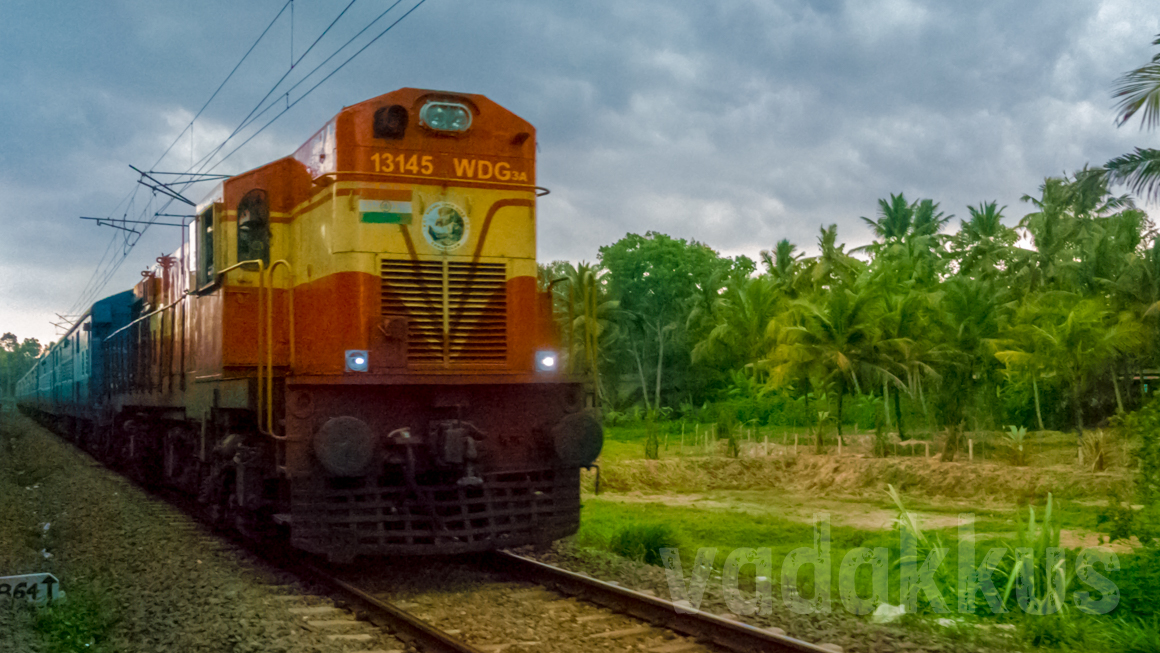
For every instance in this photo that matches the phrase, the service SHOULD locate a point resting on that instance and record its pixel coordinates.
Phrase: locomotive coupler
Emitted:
(403, 438)
(456, 443)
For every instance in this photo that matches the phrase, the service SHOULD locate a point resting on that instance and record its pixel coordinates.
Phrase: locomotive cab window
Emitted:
(254, 227)
(205, 226)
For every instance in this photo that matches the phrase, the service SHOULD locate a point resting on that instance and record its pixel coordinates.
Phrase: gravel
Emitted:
(139, 575)
(851, 633)
(494, 613)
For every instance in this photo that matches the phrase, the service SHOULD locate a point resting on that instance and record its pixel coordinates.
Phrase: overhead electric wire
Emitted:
(251, 117)
(87, 293)
(129, 240)
(323, 80)
(224, 81)
(246, 121)
(91, 288)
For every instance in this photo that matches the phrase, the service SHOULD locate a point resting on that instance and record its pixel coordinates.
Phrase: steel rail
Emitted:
(398, 622)
(733, 635)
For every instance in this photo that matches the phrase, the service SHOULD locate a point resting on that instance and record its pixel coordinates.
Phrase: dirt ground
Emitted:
(859, 476)
(853, 489)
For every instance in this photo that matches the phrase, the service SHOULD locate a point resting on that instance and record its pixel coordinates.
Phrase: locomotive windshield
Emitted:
(254, 227)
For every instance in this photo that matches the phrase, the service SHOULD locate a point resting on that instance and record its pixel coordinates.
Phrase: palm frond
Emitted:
(1139, 171)
(1139, 91)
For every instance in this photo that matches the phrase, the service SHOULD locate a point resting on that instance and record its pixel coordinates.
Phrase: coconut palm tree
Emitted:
(589, 319)
(833, 267)
(895, 217)
(784, 267)
(970, 313)
(835, 335)
(1139, 92)
(742, 314)
(1078, 339)
(983, 245)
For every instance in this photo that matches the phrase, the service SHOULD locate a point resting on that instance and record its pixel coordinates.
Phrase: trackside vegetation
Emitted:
(1001, 362)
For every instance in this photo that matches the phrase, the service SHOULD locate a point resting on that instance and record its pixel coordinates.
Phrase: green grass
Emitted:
(1133, 626)
(80, 623)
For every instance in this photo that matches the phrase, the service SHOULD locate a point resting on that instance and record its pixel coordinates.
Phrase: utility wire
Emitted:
(91, 288)
(323, 80)
(222, 85)
(251, 117)
(130, 240)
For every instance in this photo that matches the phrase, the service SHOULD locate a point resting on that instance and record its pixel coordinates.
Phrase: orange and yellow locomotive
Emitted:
(352, 345)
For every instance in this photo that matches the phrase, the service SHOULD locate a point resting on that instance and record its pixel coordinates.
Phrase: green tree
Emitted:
(982, 247)
(834, 336)
(741, 315)
(16, 359)
(1079, 340)
(971, 312)
(588, 318)
(784, 267)
(655, 278)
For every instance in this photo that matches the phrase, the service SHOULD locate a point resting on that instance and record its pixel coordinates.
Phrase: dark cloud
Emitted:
(734, 122)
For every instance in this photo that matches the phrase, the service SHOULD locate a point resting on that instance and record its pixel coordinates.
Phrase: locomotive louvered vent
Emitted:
(456, 312)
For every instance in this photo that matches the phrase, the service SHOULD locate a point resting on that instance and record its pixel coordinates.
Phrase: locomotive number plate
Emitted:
(442, 166)
(36, 588)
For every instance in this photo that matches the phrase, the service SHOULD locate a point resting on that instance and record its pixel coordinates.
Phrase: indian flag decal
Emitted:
(385, 211)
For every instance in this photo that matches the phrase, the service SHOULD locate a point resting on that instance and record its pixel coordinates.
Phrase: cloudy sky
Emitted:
(735, 123)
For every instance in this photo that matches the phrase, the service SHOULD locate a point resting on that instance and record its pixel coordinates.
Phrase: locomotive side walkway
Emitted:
(139, 575)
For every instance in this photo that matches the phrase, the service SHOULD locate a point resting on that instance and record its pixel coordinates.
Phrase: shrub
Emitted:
(1048, 587)
(1016, 438)
(881, 441)
(643, 542)
(1139, 581)
(1145, 424)
(1096, 448)
(733, 448)
(652, 442)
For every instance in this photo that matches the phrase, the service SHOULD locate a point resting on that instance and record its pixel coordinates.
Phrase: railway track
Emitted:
(521, 605)
(726, 633)
(537, 607)
(560, 614)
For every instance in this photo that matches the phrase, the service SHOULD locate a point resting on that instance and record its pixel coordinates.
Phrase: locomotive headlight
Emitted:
(357, 360)
(547, 361)
(445, 116)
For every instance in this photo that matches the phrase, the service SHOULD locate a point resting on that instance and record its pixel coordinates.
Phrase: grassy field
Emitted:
(697, 496)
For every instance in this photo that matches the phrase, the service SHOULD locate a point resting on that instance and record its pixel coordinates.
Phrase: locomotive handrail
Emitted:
(150, 314)
(266, 342)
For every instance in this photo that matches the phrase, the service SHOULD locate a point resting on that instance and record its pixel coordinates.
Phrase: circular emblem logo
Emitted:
(445, 226)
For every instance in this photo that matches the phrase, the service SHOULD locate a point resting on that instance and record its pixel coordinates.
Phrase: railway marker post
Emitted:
(29, 586)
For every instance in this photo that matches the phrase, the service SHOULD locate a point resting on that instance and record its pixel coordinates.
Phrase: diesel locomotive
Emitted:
(350, 347)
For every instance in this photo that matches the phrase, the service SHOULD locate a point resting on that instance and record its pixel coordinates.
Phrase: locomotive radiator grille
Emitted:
(510, 509)
(457, 312)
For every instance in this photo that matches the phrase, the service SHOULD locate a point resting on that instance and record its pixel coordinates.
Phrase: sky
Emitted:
(732, 122)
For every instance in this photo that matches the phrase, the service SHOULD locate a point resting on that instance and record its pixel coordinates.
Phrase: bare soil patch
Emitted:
(857, 476)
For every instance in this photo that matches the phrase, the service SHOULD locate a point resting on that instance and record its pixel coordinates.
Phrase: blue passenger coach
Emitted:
(67, 379)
